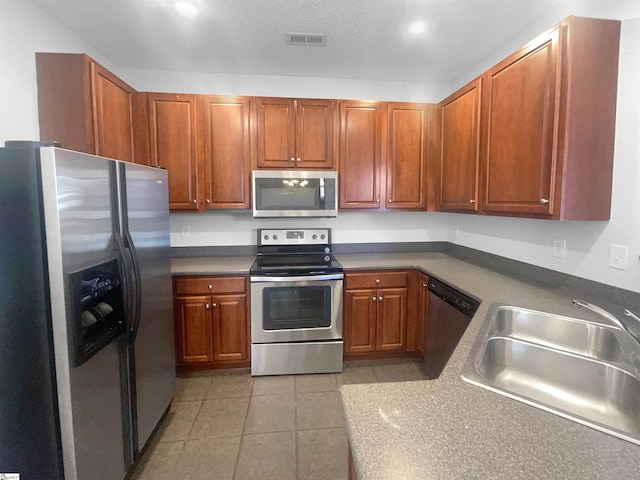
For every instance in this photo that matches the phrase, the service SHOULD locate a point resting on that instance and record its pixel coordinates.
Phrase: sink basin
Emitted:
(580, 370)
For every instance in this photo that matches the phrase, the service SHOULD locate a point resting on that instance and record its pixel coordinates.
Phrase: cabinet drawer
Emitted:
(200, 285)
(375, 280)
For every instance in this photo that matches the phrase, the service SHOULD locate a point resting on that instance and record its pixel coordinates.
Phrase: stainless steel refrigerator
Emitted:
(86, 333)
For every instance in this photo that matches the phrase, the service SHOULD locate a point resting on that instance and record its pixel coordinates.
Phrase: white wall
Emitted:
(278, 86)
(588, 243)
(24, 30)
(239, 228)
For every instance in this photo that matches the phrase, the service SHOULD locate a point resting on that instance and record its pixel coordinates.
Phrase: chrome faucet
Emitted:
(603, 313)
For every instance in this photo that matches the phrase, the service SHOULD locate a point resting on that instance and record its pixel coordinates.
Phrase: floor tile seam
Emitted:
(242, 435)
(193, 422)
(212, 437)
(248, 434)
(320, 428)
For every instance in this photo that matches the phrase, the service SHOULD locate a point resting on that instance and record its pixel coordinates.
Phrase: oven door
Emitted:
(296, 309)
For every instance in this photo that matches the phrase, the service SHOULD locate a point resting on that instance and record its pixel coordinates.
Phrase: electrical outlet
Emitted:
(559, 248)
(618, 256)
(185, 230)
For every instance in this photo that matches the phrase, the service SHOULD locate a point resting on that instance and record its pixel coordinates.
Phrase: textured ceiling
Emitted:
(367, 39)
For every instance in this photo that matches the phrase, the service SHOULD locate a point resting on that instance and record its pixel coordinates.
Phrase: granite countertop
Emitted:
(449, 429)
(446, 428)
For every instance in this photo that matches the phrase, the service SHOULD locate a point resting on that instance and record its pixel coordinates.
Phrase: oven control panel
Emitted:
(281, 236)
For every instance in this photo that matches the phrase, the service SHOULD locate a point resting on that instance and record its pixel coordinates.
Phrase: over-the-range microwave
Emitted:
(295, 193)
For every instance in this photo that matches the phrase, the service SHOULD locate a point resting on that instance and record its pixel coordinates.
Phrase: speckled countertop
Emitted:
(446, 428)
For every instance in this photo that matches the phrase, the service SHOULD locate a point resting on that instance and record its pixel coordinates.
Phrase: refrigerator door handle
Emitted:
(137, 286)
(127, 284)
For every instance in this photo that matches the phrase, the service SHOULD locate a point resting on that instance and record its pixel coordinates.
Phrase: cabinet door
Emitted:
(361, 155)
(519, 110)
(406, 158)
(460, 149)
(193, 329)
(173, 138)
(392, 319)
(360, 321)
(113, 107)
(226, 152)
(230, 339)
(314, 134)
(275, 123)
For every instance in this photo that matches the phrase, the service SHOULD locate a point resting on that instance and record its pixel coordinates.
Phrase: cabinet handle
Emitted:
(207, 306)
(377, 280)
(374, 299)
(472, 201)
(210, 286)
(214, 304)
(292, 159)
(298, 160)
(544, 201)
(424, 285)
(380, 299)
(208, 201)
(195, 201)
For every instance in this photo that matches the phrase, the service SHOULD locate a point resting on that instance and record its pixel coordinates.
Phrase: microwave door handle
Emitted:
(322, 192)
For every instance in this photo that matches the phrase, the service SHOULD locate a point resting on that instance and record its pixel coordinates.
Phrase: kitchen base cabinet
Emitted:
(375, 315)
(211, 322)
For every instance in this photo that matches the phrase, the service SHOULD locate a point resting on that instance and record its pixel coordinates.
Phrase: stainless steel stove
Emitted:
(296, 303)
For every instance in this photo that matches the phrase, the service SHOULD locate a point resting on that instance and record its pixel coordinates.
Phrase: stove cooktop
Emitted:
(295, 252)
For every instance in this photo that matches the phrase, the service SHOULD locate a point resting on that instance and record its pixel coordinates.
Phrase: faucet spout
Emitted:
(603, 313)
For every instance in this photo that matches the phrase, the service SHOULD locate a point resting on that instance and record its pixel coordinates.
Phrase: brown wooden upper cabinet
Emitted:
(85, 107)
(406, 155)
(383, 155)
(174, 146)
(459, 160)
(362, 129)
(227, 155)
(294, 133)
(547, 124)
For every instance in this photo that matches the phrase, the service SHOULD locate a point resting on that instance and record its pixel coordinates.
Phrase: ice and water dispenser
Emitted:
(98, 314)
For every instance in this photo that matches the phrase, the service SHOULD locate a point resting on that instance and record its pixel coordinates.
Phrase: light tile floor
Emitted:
(238, 427)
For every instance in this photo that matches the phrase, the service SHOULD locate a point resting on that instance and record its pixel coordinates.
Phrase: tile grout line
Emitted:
(244, 426)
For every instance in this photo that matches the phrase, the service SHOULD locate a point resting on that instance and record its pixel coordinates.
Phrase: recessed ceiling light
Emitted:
(186, 9)
(418, 27)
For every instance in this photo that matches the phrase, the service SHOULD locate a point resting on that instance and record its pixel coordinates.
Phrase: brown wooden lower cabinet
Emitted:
(211, 322)
(376, 322)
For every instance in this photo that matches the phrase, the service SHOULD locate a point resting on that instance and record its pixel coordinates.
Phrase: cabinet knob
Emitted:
(298, 159)
(292, 159)
(380, 299)
(195, 201)
(374, 298)
(389, 200)
(377, 280)
(377, 200)
(207, 306)
(472, 201)
(544, 201)
(208, 201)
(214, 304)
(210, 286)
(424, 285)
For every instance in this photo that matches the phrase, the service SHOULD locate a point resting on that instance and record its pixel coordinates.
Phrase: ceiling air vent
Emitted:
(313, 39)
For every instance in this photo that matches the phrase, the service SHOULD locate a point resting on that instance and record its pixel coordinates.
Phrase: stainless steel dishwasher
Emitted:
(449, 314)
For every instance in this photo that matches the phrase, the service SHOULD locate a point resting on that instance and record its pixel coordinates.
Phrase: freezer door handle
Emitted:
(137, 286)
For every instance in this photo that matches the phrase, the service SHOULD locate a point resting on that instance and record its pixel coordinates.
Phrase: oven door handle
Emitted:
(302, 278)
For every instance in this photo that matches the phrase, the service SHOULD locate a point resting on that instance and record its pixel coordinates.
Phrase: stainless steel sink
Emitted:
(584, 371)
